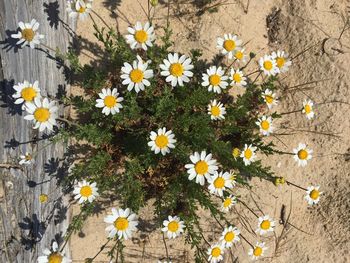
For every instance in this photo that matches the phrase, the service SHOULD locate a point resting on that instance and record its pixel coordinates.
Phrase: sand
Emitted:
(316, 234)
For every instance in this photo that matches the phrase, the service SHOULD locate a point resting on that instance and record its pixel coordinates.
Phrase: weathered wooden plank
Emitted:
(26, 225)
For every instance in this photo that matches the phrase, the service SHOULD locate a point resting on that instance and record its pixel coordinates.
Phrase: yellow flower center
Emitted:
(43, 198)
(269, 99)
(257, 251)
(55, 258)
(216, 252)
(86, 191)
(280, 62)
(314, 194)
(268, 65)
(110, 101)
(136, 75)
(121, 223)
(265, 224)
(28, 34)
(219, 182)
(141, 36)
(265, 125)
(237, 77)
(239, 55)
(227, 202)
(302, 154)
(215, 111)
(28, 157)
(236, 152)
(82, 9)
(229, 45)
(176, 69)
(229, 236)
(214, 80)
(42, 114)
(173, 226)
(201, 167)
(307, 108)
(28, 93)
(248, 153)
(161, 141)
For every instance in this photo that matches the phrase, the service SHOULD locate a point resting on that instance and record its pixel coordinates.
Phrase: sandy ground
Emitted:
(318, 234)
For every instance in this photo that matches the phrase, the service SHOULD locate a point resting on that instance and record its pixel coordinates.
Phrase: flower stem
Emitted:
(297, 186)
(101, 249)
(305, 50)
(244, 204)
(70, 233)
(246, 240)
(103, 21)
(251, 73)
(49, 48)
(282, 152)
(166, 248)
(289, 112)
(257, 77)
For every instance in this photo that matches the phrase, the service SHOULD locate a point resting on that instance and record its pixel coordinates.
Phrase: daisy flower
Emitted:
(109, 101)
(302, 154)
(269, 98)
(265, 125)
(308, 109)
(228, 203)
(162, 142)
(28, 34)
(248, 154)
(240, 55)
(219, 182)
(268, 65)
(26, 159)
(42, 113)
(229, 45)
(173, 227)
(215, 79)
(140, 36)
(122, 223)
(79, 8)
(237, 78)
(216, 252)
(257, 251)
(136, 76)
(282, 61)
(85, 191)
(313, 195)
(43, 198)
(53, 255)
(177, 70)
(216, 110)
(202, 167)
(26, 92)
(236, 152)
(230, 236)
(265, 225)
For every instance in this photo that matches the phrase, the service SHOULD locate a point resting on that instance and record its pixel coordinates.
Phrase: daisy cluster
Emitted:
(177, 71)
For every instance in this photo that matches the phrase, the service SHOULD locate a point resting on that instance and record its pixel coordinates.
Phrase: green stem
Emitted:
(103, 21)
(70, 232)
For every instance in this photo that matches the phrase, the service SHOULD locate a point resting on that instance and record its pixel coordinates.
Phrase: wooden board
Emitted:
(26, 225)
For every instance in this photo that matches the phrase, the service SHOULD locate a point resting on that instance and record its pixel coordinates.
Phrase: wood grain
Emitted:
(26, 226)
